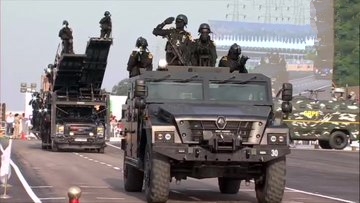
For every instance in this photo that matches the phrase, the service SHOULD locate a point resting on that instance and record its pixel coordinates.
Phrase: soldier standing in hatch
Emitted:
(233, 60)
(67, 38)
(140, 58)
(178, 46)
(204, 53)
(105, 25)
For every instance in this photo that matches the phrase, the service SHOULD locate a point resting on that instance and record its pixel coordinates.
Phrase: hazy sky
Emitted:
(29, 34)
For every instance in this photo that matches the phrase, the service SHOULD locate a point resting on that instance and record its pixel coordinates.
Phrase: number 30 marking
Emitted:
(274, 152)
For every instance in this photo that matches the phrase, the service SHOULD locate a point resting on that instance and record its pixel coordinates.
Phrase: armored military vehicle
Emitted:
(204, 122)
(75, 110)
(334, 123)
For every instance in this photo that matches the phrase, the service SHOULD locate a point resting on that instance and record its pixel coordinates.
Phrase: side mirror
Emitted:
(287, 91)
(286, 107)
(140, 88)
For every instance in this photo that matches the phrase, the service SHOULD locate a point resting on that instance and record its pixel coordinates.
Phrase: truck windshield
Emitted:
(237, 92)
(175, 90)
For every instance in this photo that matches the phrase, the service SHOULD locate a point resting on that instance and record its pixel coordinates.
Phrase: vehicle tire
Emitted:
(324, 144)
(101, 150)
(157, 177)
(229, 185)
(270, 188)
(338, 140)
(54, 147)
(133, 178)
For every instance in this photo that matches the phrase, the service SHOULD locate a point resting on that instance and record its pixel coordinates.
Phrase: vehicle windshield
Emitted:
(175, 90)
(237, 92)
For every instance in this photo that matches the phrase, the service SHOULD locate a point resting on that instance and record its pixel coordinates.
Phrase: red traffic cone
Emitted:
(23, 136)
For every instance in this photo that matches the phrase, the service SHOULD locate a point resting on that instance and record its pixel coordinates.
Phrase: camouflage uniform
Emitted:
(67, 39)
(233, 60)
(177, 37)
(204, 49)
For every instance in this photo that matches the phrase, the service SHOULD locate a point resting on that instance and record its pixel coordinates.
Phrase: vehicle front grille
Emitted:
(83, 130)
(232, 128)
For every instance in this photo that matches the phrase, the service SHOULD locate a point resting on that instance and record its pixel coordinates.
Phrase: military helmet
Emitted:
(235, 49)
(204, 26)
(65, 22)
(141, 42)
(183, 18)
(107, 13)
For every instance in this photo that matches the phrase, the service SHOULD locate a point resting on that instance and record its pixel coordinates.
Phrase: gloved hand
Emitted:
(169, 20)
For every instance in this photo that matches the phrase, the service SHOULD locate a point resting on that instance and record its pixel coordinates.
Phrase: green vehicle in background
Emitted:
(333, 123)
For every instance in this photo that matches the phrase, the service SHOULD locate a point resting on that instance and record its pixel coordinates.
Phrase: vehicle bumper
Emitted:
(90, 143)
(256, 154)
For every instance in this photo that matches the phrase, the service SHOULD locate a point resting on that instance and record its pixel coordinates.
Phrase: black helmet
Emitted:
(107, 13)
(235, 50)
(204, 26)
(183, 18)
(141, 42)
(65, 22)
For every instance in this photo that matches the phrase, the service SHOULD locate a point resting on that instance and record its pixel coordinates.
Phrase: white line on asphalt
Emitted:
(110, 198)
(41, 186)
(24, 183)
(113, 146)
(96, 187)
(116, 168)
(50, 198)
(319, 195)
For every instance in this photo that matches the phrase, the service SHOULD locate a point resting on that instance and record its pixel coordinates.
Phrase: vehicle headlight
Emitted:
(162, 64)
(91, 134)
(71, 133)
(277, 138)
(161, 136)
(60, 129)
(100, 131)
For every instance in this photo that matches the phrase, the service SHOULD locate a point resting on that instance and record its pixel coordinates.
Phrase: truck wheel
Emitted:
(228, 185)
(157, 177)
(54, 147)
(324, 144)
(338, 140)
(270, 188)
(101, 150)
(133, 178)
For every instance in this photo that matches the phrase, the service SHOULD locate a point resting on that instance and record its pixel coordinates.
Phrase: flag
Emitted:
(5, 170)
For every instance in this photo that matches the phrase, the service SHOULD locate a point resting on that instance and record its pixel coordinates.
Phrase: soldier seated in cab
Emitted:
(233, 60)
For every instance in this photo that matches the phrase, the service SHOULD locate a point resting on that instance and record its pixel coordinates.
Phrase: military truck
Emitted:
(204, 122)
(75, 110)
(333, 123)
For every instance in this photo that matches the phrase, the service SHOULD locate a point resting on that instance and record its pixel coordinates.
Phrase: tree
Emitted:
(121, 88)
(346, 27)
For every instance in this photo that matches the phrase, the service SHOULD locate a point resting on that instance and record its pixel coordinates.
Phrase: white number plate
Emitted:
(80, 139)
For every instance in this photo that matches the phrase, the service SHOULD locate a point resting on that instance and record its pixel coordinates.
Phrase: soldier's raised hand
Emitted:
(169, 20)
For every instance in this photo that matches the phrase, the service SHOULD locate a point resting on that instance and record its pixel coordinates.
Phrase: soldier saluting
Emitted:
(178, 46)
(140, 58)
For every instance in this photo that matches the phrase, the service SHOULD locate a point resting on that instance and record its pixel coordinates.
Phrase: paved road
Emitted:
(50, 174)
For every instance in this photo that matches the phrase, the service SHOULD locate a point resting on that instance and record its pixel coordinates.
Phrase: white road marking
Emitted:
(51, 198)
(96, 187)
(111, 198)
(116, 168)
(113, 146)
(41, 186)
(319, 195)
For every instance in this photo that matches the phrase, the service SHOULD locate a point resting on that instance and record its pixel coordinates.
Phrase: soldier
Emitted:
(178, 46)
(204, 53)
(233, 60)
(105, 25)
(67, 38)
(140, 58)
